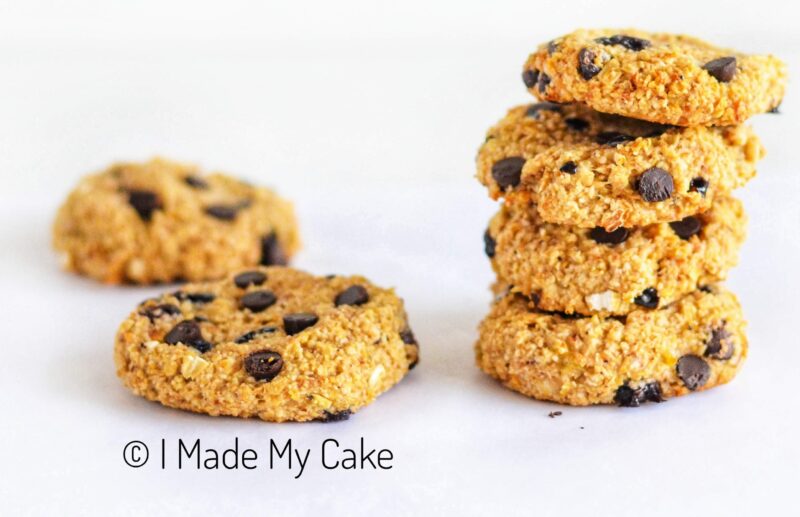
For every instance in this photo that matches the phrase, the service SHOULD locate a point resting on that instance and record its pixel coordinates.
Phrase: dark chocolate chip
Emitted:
(201, 345)
(353, 295)
(187, 332)
(194, 297)
(648, 299)
(489, 244)
(257, 301)
(570, 167)
(601, 236)
(272, 253)
(629, 42)
(720, 345)
(552, 48)
(196, 182)
(249, 278)
(707, 289)
(223, 212)
(722, 69)
(534, 109)
(157, 311)
(686, 227)
(655, 184)
(775, 110)
(576, 124)
(144, 202)
(530, 77)
(507, 172)
(543, 82)
(586, 66)
(408, 336)
(613, 138)
(263, 365)
(699, 185)
(339, 416)
(294, 323)
(693, 371)
(634, 397)
(249, 336)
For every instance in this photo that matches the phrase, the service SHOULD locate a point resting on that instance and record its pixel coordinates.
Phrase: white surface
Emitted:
(367, 116)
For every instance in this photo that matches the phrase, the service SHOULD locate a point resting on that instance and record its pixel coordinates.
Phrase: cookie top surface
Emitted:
(162, 221)
(592, 271)
(693, 344)
(275, 343)
(584, 168)
(664, 78)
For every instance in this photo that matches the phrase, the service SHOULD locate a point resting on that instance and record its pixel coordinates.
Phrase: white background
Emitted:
(368, 115)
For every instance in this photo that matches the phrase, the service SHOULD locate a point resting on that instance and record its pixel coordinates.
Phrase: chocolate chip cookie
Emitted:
(271, 342)
(162, 221)
(664, 78)
(593, 271)
(694, 344)
(580, 167)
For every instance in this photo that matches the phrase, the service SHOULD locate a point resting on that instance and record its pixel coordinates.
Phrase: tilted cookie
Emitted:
(272, 343)
(664, 78)
(592, 271)
(694, 344)
(162, 221)
(585, 168)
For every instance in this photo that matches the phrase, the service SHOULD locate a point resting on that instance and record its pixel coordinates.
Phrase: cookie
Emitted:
(162, 221)
(584, 168)
(664, 78)
(272, 342)
(592, 271)
(693, 344)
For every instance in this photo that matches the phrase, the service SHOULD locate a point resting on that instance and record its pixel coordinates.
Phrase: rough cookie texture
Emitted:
(694, 344)
(272, 343)
(162, 221)
(664, 78)
(591, 271)
(584, 168)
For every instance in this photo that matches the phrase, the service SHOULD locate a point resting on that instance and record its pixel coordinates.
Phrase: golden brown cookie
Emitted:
(162, 221)
(587, 169)
(272, 343)
(592, 271)
(693, 344)
(664, 78)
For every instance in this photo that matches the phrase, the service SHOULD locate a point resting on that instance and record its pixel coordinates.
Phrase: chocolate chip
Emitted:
(706, 289)
(507, 172)
(194, 297)
(534, 109)
(722, 69)
(294, 323)
(634, 397)
(570, 167)
(576, 124)
(187, 332)
(720, 345)
(586, 66)
(249, 336)
(613, 138)
(408, 336)
(144, 202)
(353, 295)
(543, 82)
(693, 371)
(775, 110)
(648, 299)
(699, 185)
(196, 182)
(164, 309)
(339, 416)
(489, 244)
(272, 253)
(249, 278)
(223, 212)
(599, 235)
(552, 48)
(529, 77)
(629, 42)
(686, 227)
(257, 301)
(655, 184)
(263, 365)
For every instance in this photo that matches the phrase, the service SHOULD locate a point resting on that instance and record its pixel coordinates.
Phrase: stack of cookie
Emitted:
(618, 222)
